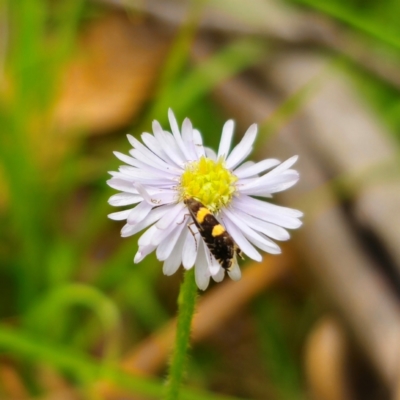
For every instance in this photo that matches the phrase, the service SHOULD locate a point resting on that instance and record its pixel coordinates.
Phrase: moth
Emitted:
(218, 240)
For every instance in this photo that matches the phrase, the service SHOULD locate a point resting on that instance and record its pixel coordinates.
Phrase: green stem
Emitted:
(186, 304)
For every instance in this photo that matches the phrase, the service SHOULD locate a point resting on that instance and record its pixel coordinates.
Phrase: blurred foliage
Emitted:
(375, 24)
(70, 295)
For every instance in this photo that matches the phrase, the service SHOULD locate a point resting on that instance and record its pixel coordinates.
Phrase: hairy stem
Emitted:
(186, 305)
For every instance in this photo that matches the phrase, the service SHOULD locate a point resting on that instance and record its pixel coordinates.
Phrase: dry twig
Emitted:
(213, 310)
(342, 270)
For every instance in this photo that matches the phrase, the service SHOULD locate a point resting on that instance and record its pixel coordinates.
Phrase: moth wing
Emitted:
(192, 214)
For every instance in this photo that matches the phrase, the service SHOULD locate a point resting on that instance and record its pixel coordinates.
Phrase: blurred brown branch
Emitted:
(342, 270)
(213, 310)
(279, 22)
(325, 361)
(350, 142)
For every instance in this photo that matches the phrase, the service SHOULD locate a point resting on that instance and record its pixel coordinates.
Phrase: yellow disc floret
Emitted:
(209, 182)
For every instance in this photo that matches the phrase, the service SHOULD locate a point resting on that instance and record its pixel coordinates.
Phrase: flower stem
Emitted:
(186, 306)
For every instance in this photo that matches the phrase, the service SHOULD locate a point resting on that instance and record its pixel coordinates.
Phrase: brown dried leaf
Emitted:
(12, 383)
(111, 76)
(325, 359)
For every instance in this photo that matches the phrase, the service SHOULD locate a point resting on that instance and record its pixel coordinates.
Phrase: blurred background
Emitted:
(78, 320)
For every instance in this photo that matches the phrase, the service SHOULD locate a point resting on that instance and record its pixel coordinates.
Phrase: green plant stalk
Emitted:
(17, 343)
(186, 305)
(349, 17)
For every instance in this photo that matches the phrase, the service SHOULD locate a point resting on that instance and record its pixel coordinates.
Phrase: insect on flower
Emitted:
(170, 181)
(215, 236)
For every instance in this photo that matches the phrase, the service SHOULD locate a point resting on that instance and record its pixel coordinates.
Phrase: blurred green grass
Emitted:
(57, 284)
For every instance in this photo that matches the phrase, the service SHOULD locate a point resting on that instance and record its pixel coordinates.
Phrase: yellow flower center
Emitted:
(209, 182)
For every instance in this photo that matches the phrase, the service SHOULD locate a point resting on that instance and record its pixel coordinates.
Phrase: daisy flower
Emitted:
(166, 169)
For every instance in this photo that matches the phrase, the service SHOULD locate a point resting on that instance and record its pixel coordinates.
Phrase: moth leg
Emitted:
(193, 233)
(239, 252)
(183, 220)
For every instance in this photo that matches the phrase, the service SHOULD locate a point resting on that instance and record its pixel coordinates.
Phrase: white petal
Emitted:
(154, 215)
(244, 155)
(263, 243)
(284, 166)
(170, 218)
(143, 192)
(198, 144)
(187, 140)
(160, 234)
(234, 273)
(202, 274)
(245, 202)
(258, 239)
(154, 146)
(133, 173)
(226, 139)
(172, 121)
(149, 158)
(141, 152)
(241, 241)
(122, 185)
(187, 134)
(139, 213)
(124, 199)
(119, 215)
(147, 236)
(143, 252)
(166, 197)
(187, 152)
(279, 169)
(129, 230)
(244, 166)
(246, 181)
(156, 190)
(189, 251)
(245, 171)
(273, 184)
(166, 247)
(172, 146)
(219, 276)
(169, 144)
(177, 135)
(210, 153)
(173, 262)
(124, 158)
(243, 149)
(131, 179)
(271, 230)
(281, 216)
(159, 149)
(213, 264)
(144, 163)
